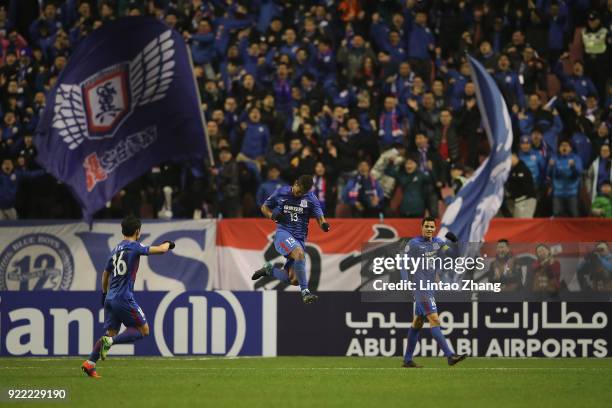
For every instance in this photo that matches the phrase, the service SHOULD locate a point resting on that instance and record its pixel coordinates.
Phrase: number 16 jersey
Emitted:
(122, 267)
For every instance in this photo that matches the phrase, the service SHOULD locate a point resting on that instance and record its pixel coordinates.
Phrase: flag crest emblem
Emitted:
(96, 108)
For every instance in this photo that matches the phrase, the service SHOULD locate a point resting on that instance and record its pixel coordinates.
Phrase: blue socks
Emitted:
(299, 267)
(413, 337)
(280, 274)
(95, 353)
(130, 335)
(437, 334)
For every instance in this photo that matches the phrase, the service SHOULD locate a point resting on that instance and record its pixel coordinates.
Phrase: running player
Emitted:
(424, 302)
(118, 297)
(291, 208)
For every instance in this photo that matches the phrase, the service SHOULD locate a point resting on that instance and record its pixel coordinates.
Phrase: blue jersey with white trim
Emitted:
(421, 247)
(298, 209)
(122, 267)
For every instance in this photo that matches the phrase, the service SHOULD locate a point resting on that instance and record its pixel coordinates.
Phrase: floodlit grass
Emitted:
(317, 381)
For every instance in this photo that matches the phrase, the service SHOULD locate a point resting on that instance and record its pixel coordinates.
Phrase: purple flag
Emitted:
(125, 102)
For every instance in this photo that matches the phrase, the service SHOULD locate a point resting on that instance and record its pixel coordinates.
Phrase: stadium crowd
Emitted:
(538, 269)
(372, 97)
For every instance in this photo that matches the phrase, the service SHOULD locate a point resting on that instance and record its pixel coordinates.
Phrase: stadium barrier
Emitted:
(268, 323)
(519, 329)
(50, 282)
(55, 255)
(218, 323)
(213, 254)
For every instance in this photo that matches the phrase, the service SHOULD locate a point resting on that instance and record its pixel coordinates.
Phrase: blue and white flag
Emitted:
(481, 197)
(125, 102)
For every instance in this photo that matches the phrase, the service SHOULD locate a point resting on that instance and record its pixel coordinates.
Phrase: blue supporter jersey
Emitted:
(300, 209)
(422, 247)
(122, 266)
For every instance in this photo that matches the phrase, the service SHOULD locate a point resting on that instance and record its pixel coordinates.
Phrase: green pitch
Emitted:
(318, 382)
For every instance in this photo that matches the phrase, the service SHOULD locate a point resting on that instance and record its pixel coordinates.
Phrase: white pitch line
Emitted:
(126, 358)
(134, 358)
(328, 368)
(203, 358)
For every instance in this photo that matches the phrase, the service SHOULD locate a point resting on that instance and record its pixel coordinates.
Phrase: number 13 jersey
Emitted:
(297, 210)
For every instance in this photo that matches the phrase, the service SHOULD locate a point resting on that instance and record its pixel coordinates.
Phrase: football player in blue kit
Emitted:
(425, 307)
(118, 293)
(291, 207)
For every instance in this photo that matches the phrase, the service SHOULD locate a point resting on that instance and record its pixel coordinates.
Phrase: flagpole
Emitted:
(197, 90)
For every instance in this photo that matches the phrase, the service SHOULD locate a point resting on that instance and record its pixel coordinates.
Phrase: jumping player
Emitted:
(424, 302)
(118, 299)
(291, 208)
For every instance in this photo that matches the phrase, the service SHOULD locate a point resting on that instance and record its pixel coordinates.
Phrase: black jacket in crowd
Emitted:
(520, 182)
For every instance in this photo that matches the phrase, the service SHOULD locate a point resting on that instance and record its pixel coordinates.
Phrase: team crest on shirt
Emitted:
(304, 203)
(436, 246)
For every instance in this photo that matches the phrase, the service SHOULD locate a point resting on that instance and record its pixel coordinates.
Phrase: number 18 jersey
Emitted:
(122, 267)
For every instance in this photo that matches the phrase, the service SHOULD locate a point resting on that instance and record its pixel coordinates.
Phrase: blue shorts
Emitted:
(425, 306)
(126, 311)
(285, 243)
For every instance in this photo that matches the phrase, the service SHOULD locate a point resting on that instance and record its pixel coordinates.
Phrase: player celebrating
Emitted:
(424, 303)
(291, 208)
(118, 299)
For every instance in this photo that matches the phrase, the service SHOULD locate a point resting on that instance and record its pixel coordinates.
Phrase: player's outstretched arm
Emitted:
(275, 215)
(323, 224)
(266, 211)
(162, 248)
(451, 237)
(451, 246)
(105, 277)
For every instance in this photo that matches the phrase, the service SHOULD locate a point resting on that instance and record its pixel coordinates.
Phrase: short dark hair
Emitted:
(503, 241)
(305, 182)
(130, 225)
(413, 156)
(427, 219)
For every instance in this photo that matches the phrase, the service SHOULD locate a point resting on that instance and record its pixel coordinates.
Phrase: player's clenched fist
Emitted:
(279, 216)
